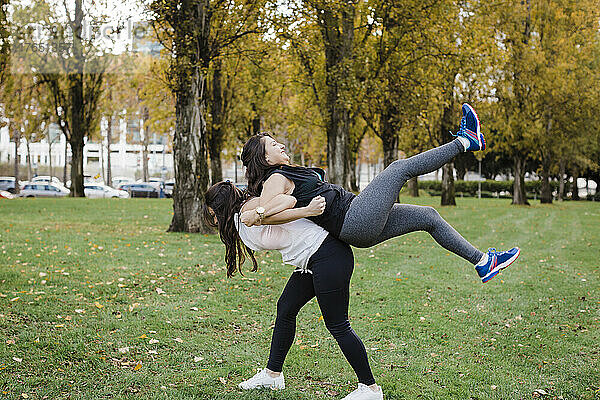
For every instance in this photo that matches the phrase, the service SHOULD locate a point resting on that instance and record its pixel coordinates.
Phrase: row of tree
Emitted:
(326, 74)
(77, 88)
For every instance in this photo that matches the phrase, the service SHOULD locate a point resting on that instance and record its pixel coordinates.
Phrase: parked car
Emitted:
(8, 183)
(46, 179)
(118, 180)
(100, 191)
(143, 189)
(152, 179)
(169, 186)
(7, 195)
(41, 189)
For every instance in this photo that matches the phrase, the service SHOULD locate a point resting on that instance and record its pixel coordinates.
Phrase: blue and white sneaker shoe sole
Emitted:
(478, 133)
(500, 267)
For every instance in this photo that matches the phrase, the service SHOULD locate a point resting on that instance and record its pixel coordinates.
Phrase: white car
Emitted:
(100, 191)
(46, 179)
(118, 180)
(43, 189)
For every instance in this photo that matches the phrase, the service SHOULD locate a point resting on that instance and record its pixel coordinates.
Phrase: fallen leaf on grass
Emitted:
(98, 305)
(152, 341)
(198, 359)
(138, 366)
(159, 291)
(17, 359)
(178, 340)
(143, 336)
(223, 381)
(124, 349)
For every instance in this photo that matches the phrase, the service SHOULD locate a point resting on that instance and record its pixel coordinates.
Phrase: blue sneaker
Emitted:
(471, 129)
(497, 261)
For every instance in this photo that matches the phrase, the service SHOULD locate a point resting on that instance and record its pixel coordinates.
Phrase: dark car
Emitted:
(143, 189)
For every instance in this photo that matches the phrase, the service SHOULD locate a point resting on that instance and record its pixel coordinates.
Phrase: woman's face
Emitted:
(275, 152)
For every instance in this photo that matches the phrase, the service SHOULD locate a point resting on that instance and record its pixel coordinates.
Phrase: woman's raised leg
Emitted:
(369, 211)
(405, 218)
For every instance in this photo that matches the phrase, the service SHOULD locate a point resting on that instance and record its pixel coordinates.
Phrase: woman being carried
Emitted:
(372, 216)
(325, 266)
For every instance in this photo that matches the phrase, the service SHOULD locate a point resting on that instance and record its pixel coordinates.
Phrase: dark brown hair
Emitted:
(254, 159)
(225, 200)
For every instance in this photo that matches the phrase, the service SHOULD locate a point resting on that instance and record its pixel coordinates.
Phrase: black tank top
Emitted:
(309, 183)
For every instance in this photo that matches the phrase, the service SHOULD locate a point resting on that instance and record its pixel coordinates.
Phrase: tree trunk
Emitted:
(561, 182)
(359, 172)
(29, 173)
(388, 135)
(17, 138)
(546, 190)
(65, 166)
(145, 141)
(413, 187)
(189, 153)
(50, 157)
(108, 153)
(145, 173)
(338, 36)
(445, 137)
(216, 132)
(519, 196)
(448, 198)
(77, 168)
(460, 166)
(575, 188)
(255, 120)
(77, 127)
(352, 169)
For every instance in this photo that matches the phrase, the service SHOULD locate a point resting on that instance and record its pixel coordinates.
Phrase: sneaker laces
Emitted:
(462, 128)
(492, 250)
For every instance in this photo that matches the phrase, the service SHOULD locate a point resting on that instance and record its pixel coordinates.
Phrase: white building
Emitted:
(126, 152)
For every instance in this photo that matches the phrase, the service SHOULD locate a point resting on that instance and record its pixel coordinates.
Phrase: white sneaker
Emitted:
(365, 393)
(262, 379)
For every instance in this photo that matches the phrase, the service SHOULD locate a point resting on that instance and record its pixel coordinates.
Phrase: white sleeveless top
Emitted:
(297, 240)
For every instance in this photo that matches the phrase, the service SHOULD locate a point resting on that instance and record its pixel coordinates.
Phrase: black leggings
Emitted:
(331, 267)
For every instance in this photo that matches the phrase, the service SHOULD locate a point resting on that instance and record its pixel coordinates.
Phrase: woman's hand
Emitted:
(250, 218)
(316, 206)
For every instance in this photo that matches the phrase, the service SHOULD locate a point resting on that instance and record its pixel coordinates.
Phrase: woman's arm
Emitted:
(316, 207)
(277, 204)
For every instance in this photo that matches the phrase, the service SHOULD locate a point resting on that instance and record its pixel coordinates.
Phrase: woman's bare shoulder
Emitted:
(277, 180)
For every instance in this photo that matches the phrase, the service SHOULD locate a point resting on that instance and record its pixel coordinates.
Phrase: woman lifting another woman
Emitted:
(372, 216)
(325, 266)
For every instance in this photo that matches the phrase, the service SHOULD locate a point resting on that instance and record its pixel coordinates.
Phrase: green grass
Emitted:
(79, 280)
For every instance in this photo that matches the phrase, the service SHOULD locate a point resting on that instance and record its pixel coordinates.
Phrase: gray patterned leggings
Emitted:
(374, 217)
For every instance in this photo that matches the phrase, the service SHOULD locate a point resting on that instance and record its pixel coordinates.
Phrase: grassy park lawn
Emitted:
(98, 301)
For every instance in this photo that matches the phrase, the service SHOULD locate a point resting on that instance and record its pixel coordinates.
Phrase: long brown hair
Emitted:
(254, 159)
(225, 200)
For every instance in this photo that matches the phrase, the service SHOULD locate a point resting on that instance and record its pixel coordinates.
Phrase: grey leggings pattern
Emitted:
(373, 216)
